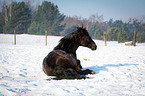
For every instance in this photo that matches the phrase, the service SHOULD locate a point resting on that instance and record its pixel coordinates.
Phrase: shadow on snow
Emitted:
(97, 69)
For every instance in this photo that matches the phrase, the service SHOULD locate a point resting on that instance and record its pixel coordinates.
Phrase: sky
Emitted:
(116, 9)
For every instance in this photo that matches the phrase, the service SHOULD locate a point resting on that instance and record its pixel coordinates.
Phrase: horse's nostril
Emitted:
(94, 47)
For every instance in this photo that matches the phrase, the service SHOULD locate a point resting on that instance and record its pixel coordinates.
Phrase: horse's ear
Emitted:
(82, 26)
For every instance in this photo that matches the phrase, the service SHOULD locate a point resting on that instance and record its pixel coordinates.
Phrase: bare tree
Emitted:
(10, 7)
(5, 10)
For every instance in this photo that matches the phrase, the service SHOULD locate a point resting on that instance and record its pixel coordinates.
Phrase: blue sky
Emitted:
(116, 9)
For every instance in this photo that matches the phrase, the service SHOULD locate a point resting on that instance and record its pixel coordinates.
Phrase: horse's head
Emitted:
(86, 40)
(79, 37)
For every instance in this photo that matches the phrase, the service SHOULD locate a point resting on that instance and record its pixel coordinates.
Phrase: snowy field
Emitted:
(120, 69)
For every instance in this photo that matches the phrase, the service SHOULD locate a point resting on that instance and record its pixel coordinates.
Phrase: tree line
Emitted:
(115, 30)
(21, 17)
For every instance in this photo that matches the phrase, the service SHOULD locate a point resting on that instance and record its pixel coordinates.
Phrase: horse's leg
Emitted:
(79, 63)
(83, 72)
(59, 72)
(72, 74)
(66, 73)
(78, 66)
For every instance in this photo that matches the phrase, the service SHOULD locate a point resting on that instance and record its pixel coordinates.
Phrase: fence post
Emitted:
(134, 41)
(105, 38)
(46, 38)
(14, 37)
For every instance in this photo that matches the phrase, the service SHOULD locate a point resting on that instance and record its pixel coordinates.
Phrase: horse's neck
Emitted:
(71, 49)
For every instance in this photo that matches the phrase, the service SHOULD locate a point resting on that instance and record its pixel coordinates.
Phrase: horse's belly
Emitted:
(66, 61)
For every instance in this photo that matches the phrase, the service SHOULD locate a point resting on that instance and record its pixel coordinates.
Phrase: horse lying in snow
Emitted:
(62, 62)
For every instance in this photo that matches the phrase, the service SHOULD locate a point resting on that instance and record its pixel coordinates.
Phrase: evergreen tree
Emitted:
(141, 33)
(118, 24)
(20, 18)
(34, 28)
(112, 34)
(110, 23)
(125, 28)
(140, 36)
(2, 22)
(121, 36)
(92, 30)
(98, 34)
(48, 18)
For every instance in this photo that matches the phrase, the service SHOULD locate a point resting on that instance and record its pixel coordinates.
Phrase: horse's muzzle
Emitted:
(94, 47)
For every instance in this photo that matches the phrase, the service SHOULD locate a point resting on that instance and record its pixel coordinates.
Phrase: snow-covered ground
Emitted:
(120, 69)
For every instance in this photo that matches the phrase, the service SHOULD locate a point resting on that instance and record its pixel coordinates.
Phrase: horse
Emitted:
(62, 62)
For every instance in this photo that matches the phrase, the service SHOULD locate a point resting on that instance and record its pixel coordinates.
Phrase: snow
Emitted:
(120, 69)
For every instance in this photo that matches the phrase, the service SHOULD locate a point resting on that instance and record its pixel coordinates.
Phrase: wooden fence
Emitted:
(105, 40)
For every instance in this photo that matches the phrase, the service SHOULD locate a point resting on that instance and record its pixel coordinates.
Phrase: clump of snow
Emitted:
(120, 69)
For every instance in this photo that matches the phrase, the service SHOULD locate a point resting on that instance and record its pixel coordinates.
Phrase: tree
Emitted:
(118, 23)
(133, 25)
(69, 30)
(121, 36)
(48, 18)
(33, 29)
(92, 29)
(141, 33)
(112, 33)
(96, 18)
(98, 34)
(20, 18)
(110, 23)
(125, 28)
(2, 21)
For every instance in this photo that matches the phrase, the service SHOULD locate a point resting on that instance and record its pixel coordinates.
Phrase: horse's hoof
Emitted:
(90, 71)
(87, 71)
(93, 72)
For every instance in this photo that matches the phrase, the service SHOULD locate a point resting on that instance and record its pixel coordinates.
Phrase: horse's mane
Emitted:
(70, 39)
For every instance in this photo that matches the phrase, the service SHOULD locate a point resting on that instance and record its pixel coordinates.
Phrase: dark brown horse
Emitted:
(62, 62)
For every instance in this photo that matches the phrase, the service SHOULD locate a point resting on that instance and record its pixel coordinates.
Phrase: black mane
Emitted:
(69, 40)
